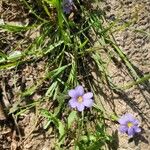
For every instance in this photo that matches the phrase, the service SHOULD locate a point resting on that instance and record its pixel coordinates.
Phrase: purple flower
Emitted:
(67, 6)
(79, 99)
(129, 125)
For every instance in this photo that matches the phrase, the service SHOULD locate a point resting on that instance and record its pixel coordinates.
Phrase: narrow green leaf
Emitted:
(72, 116)
(54, 73)
(58, 124)
(15, 28)
(61, 128)
(15, 55)
(3, 55)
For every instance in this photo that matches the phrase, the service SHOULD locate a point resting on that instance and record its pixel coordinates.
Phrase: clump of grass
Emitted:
(67, 43)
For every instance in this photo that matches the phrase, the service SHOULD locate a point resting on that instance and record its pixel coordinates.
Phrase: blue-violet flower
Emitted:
(129, 125)
(79, 99)
(67, 6)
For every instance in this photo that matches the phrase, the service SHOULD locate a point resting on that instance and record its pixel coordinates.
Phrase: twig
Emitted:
(7, 104)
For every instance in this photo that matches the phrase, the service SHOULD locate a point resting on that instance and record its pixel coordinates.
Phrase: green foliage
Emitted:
(72, 116)
(15, 28)
(52, 118)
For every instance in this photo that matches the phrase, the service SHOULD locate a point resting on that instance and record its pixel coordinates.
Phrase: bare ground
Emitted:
(136, 46)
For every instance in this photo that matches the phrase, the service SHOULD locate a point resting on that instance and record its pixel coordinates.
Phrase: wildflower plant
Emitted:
(129, 125)
(67, 47)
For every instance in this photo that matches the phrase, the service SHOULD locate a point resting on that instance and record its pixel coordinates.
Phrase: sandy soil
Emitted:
(136, 45)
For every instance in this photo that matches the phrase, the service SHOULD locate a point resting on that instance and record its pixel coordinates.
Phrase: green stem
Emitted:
(140, 80)
(30, 8)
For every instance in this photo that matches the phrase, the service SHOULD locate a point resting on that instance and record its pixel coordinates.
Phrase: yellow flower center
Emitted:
(80, 99)
(129, 124)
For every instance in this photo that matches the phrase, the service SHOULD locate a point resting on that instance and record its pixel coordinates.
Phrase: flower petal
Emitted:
(137, 129)
(123, 129)
(72, 93)
(130, 117)
(131, 131)
(88, 95)
(88, 102)
(67, 6)
(125, 119)
(135, 122)
(73, 103)
(80, 107)
(79, 90)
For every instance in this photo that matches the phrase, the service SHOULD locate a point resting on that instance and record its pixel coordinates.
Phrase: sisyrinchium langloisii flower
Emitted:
(129, 125)
(67, 6)
(80, 99)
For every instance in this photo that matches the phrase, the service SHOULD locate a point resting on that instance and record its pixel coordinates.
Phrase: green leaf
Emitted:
(30, 90)
(57, 122)
(14, 28)
(72, 116)
(51, 90)
(51, 47)
(3, 55)
(61, 128)
(54, 73)
(8, 65)
(15, 55)
(88, 138)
